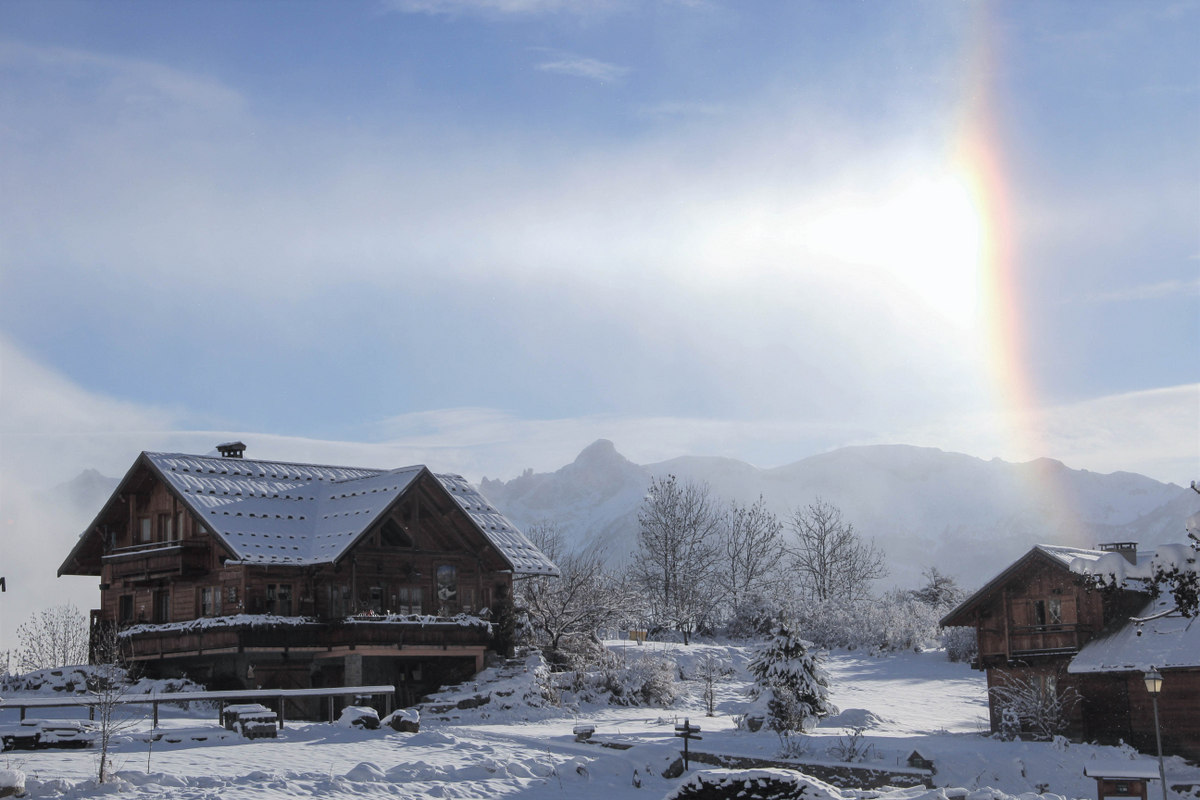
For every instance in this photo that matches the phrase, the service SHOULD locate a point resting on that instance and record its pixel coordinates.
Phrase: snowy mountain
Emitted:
(923, 506)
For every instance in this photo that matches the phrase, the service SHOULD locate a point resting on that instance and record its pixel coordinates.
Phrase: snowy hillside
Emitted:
(923, 506)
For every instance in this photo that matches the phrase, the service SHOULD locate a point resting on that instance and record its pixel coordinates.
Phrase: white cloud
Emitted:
(583, 67)
(497, 7)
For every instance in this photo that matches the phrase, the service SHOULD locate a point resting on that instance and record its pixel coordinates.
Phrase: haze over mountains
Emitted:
(967, 516)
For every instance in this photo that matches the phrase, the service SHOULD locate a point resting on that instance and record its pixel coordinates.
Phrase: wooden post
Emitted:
(281, 702)
(1007, 635)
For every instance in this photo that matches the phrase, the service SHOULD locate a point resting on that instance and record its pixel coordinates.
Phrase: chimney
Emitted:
(1127, 549)
(231, 449)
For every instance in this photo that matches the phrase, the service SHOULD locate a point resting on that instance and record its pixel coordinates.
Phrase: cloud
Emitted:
(683, 109)
(583, 67)
(454, 8)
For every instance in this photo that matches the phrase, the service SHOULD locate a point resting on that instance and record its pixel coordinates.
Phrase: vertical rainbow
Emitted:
(1005, 346)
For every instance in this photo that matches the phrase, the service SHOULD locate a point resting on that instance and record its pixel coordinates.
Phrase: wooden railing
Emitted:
(307, 636)
(183, 557)
(1059, 638)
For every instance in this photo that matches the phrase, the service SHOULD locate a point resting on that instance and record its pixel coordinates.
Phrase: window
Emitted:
(1048, 612)
(165, 528)
(339, 601)
(1054, 611)
(146, 532)
(162, 606)
(210, 601)
(408, 600)
(447, 588)
(468, 599)
(231, 596)
(179, 525)
(279, 599)
(125, 609)
(376, 604)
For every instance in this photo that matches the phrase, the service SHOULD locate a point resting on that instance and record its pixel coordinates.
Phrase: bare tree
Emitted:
(940, 590)
(678, 554)
(753, 552)
(580, 600)
(108, 683)
(829, 556)
(53, 637)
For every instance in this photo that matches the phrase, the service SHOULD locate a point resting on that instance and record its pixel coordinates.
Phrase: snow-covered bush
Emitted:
(961, 643)
(753, 618)
(1033, 704)
(647, 681)
(893, 622)
(791, 688)
(754, 784)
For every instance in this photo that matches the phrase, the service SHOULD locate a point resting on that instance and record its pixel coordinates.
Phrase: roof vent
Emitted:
(1127, 549)
(231, 449)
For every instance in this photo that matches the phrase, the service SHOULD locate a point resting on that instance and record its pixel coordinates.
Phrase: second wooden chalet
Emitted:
(242, 573)
(1037, 623)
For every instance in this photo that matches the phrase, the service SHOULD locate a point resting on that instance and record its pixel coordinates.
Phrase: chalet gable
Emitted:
(1042, 557)
(266, 512)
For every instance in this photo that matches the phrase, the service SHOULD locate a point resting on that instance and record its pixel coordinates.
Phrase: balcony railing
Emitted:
(157, 559)
(167, 640)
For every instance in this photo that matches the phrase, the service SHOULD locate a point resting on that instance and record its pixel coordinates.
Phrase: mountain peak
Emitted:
(601, 451)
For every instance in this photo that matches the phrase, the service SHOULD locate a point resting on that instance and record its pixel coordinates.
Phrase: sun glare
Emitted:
(926, 238)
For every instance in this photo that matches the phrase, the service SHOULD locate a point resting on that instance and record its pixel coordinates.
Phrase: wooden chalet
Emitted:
(243, 574)
(1038, 622)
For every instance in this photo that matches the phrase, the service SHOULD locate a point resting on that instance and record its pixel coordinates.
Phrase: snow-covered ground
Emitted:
(906, 702)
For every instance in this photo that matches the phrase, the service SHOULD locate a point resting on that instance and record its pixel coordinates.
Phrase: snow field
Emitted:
(510, 748)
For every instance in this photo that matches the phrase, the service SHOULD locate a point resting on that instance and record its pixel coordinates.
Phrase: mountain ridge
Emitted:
(922, 505)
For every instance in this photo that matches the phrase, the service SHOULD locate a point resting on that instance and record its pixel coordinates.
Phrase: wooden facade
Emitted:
(237, 598)
(1035, 619)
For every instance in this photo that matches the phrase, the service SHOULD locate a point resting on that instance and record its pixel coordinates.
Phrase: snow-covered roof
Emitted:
(1169, 642)
(272, 512)
(1068, 555)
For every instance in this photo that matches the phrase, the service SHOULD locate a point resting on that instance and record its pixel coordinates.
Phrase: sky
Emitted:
(481, 234)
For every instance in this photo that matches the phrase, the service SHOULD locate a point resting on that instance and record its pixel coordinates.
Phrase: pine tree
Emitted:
(791, 681)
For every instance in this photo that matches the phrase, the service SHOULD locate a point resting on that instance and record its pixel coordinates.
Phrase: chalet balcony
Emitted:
(1030, 641)
(377, 636)
(184, 557)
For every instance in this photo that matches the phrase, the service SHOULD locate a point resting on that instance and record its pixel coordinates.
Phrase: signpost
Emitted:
(687, 732)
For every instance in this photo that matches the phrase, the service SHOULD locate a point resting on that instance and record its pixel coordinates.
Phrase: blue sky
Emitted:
(484, 234)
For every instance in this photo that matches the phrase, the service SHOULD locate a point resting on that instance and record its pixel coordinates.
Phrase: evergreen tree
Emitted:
(790, 681)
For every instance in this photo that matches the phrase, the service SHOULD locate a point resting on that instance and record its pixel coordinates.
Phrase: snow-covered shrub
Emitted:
(753, 618)
(754, 784)
(852, 748)
(647, 681)
(893, 622)
(961, 643)
(577, 653)
(1035, 703)
(790, 686)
